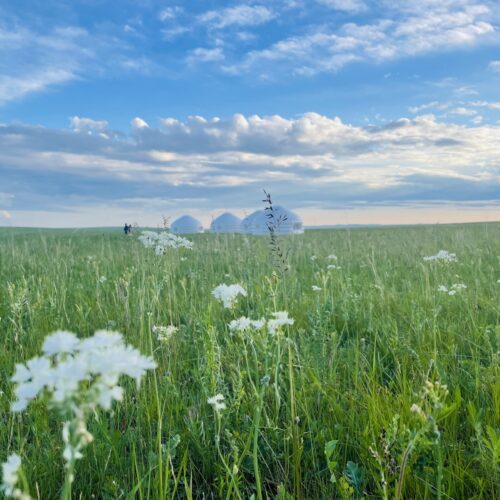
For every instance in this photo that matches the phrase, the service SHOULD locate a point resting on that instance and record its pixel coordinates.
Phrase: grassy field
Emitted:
(344, 403)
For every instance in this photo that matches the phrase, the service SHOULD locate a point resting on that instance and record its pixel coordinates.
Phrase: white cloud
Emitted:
(169, 13)
(205, 55)
(429, 105)
(5, 215)
(344, 5)
(35, 59)
(174, 32)
(439, 27)
(312, 159)
(461, 111)
(80, 123)
(486, 104)
(240, 15)
(138, 123)
(494, 66)
(16, 87)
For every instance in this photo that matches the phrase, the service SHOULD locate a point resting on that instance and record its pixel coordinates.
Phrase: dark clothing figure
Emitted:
(127, 229)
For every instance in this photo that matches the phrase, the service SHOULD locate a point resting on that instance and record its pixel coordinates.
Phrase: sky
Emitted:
(346, 111)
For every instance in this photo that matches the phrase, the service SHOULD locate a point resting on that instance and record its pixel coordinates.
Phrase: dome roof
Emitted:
(186, 225)
(249, 221)
(226, 223)
(286, 221)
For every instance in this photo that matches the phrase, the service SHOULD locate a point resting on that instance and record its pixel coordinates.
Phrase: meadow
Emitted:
(386, 385)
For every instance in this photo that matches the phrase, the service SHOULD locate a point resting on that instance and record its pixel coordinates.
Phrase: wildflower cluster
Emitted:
(432, 401)
(81, 373)
(10, 478)
(164, 332)
(453, 289)
(442, 256)
(278, 320)
(163, 241)
(228, 294)
(242, 324)
(330, 267)
(217, 402)
(80, 376)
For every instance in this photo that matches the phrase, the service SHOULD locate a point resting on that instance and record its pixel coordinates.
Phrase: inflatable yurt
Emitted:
(226, 223)
(286, 222)
(186, 225)
(249, 221)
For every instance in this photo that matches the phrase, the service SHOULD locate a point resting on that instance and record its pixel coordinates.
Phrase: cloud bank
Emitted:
(310, 161)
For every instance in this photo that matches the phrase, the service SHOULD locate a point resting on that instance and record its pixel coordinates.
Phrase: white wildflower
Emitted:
(73, 448)
(100, 360)
(316, 288)
(453, 288)
(332, 266)
(332, 257)
(280, 319)
(79, 376)
(442, 256)
(228, 294)
(217, 402)
(60, 342)
(10, 474)
(102, 279)
(10, 478)
(415, 408)
(244, 323)
(164, 332)
(162, 241)
(313, 257)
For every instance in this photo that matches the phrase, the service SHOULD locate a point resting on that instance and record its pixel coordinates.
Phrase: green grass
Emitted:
(349, 369)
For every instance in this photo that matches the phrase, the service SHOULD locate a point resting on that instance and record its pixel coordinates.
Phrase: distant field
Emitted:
(341, 404)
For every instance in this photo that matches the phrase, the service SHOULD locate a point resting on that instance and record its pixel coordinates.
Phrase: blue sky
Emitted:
(345, 110)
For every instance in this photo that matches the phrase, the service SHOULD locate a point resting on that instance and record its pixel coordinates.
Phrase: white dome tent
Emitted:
(186, 225)
(286, 221)
(249, 221)
(226, 223)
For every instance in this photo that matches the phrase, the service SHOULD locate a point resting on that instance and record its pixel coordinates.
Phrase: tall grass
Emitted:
(322, 409)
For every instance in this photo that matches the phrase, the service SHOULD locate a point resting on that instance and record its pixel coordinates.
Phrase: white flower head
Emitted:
(10, 474)
(164, 332)
(217, 402)
(90, 367)
(332, 257)
(316, 288)
(163, 241)
(228, 294)
(415, 408)
(280, 319)
(442, 256)
(243, 324)
(60, 342)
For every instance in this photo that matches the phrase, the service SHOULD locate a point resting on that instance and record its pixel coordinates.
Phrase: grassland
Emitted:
(343, 379)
